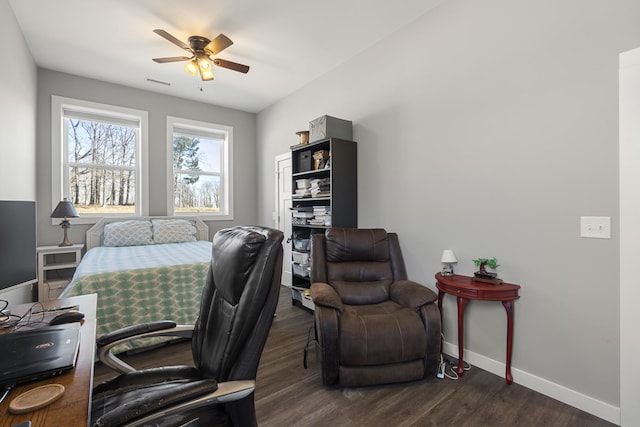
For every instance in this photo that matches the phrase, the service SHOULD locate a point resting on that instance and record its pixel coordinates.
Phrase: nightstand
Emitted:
(56, 265)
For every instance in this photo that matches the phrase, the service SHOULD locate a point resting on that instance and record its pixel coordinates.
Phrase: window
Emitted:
(99, 158)
(200, 178)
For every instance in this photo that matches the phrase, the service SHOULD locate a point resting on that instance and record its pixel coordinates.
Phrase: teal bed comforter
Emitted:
(137, 284)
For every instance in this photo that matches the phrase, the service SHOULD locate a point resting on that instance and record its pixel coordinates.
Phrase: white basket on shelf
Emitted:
(300, 257)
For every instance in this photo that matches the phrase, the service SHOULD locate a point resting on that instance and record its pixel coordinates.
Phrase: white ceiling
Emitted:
(287, 43)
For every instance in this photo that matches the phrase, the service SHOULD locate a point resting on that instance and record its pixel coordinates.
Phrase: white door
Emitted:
(282, 215)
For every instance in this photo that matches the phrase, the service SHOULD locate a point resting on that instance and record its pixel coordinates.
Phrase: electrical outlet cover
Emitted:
(595, 227)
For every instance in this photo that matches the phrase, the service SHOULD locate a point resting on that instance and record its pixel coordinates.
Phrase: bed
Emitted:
(143, 269)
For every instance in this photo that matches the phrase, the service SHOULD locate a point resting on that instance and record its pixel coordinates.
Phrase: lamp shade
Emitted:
(65, 209)
(448, 257)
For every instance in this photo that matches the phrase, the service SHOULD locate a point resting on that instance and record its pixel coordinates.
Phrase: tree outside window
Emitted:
(101, 166)
(200, 179)
(99, 158)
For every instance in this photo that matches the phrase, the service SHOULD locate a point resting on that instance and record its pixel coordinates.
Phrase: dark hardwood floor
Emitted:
(289, 395)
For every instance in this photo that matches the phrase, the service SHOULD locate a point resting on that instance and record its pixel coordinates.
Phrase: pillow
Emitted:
(173, 231)
(127, 233)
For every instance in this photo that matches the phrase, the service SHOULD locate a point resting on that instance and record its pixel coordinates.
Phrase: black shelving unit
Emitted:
(333, 194)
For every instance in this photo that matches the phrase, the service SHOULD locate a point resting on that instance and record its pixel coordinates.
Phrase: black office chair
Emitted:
(237, 308)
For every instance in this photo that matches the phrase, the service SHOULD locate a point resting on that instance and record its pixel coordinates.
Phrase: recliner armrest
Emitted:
(323, 294)
(410, 294)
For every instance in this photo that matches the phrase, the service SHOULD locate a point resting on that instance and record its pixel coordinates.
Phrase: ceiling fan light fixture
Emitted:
(206, 74)
(206, 71)
(192, 67)
(202, 50)
(204, 63)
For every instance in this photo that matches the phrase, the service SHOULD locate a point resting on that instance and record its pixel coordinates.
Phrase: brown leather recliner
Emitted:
(374, 326)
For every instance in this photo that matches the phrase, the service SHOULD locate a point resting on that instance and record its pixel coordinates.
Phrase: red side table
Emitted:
(465, 288)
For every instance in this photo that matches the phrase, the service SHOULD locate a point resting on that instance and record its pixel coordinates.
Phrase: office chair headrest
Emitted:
(234, 254)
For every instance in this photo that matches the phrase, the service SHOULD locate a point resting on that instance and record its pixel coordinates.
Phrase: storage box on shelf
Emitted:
(324, 177)
(300, 257)
(301, 270)
(327, 126)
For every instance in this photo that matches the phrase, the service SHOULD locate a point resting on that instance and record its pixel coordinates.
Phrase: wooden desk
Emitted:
(465, 288)
(74, 407)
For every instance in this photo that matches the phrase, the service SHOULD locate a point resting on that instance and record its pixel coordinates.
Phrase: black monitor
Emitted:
(17, 242)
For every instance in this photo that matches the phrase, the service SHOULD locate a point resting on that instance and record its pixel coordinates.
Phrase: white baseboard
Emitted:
(559, 392)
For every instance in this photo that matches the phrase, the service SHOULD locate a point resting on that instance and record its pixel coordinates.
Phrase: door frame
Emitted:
(629, 146)
(282, 218)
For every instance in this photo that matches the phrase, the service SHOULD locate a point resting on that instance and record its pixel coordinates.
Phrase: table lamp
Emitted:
(65, 210)
(448, 258)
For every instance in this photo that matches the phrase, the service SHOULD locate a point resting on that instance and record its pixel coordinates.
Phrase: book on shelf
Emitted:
(303, 214)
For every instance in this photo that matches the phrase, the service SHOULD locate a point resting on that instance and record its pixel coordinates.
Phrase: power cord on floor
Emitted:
(448, 369)
(310, 341)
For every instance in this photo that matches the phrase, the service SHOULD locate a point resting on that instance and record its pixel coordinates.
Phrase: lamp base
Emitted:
(447, 270)
(65, 226)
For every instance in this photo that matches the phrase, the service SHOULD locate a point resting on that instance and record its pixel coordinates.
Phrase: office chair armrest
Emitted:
(323, 294)
(133, 330)
(151, 401)
(163, 328)
(229, 391)
(410, 294)
(133, 380)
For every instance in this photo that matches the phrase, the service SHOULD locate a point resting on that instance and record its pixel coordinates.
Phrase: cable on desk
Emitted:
(27, 319)
(7, 390)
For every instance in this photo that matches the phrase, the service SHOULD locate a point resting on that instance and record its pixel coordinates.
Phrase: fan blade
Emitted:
(172, 59)
(172, 39)
(218, 44)
(231, 65)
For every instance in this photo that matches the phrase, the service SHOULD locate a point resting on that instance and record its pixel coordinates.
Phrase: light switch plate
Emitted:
(595, 227)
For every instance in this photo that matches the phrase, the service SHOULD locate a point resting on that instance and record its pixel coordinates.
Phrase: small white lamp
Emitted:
(448, 258)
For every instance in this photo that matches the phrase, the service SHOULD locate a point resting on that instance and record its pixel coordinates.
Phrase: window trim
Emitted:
(58, 192)
(226, 173)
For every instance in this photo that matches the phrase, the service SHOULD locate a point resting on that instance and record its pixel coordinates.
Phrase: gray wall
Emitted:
(17, 112)
(17, 122)
(489, 128)
(159, 107)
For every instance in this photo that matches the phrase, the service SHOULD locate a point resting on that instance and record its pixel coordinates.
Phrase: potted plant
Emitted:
(483, 274)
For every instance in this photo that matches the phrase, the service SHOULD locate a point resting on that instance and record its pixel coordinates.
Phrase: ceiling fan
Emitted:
(202, 49)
